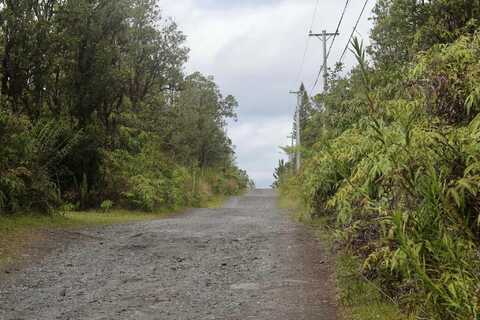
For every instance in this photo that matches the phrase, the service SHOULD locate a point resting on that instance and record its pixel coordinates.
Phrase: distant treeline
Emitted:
(392, 155)
(95, 106)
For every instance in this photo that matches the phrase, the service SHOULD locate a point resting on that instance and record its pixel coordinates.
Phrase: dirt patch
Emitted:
(24, 246)
(29, 247)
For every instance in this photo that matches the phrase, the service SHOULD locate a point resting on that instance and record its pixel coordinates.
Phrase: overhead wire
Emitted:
(353, 31)
(338, 27)
(307, 42)
(318, 77)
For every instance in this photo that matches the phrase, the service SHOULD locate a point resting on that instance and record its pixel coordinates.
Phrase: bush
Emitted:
(403, 181)
(25, 183)
(106, 206)
(149, 181)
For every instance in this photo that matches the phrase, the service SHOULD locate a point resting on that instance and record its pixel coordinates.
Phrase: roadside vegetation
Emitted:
(361, 298)
(96, 112)
(99, 123)
(393, 162)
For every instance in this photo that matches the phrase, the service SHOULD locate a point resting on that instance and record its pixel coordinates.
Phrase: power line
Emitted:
(318, 77)
(353, 31)
(314, 14)
(307, 41)
(338, 27)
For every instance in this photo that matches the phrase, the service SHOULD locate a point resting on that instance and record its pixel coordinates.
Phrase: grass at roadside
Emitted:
(28, 222)
(215, 202)
(360, 299)
(10, 225)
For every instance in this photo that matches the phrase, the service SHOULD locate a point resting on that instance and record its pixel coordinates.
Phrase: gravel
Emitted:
(247, 260)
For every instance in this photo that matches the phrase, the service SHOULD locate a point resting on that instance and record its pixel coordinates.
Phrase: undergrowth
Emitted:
(360, 299)
(398, 179)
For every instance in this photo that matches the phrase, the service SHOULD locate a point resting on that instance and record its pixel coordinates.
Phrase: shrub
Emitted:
(106, 206)
(25, 183)
(403, 181)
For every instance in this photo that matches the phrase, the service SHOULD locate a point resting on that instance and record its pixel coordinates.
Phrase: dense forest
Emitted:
(95, 109)
(392, 156)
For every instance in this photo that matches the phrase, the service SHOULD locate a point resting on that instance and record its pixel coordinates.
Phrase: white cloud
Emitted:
(254, 50)
(258, 145)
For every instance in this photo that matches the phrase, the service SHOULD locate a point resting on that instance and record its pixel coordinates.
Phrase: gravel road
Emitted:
(247, 260)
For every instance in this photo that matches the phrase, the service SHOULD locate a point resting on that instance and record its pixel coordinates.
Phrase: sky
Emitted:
(254, 49)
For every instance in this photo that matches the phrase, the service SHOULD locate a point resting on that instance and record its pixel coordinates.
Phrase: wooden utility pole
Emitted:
(298, 136)
(292, 145)
(324, 36)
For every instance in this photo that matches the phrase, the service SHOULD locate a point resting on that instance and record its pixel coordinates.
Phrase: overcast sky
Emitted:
(254, 49)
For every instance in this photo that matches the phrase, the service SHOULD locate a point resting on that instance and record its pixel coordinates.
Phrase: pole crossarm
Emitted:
(321, 34)
(324, 36)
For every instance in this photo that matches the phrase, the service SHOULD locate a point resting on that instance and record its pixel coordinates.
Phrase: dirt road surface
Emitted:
(247, 260)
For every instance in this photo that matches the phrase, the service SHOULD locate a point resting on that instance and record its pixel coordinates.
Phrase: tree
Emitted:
(402, 28)
(306, 111)
(99, 84)
(198, 120)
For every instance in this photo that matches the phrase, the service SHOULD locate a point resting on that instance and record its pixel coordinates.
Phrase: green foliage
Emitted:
(95, 105)
(196, 123)
(280, 173)
(364, 299)
(28, 154)
(106, 206)
(448, 78)
(149, 180)
(393, 158)
(143, 181)
(405, 27)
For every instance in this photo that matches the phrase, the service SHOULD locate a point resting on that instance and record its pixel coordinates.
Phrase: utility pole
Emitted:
(324, 36)
(292, 145)
(297, 114)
